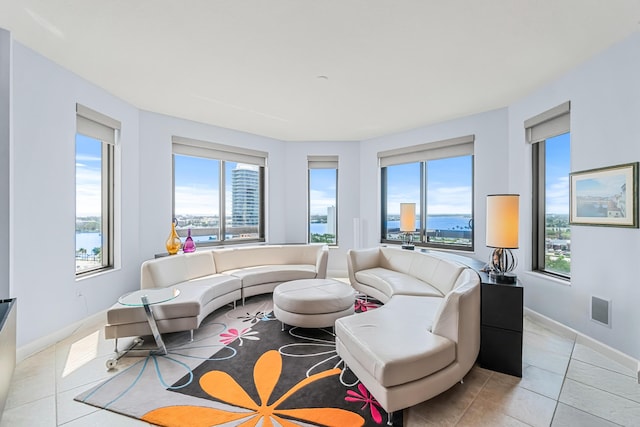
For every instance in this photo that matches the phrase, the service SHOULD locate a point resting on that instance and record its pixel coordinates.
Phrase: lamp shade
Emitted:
(502, 220)
(407, 217)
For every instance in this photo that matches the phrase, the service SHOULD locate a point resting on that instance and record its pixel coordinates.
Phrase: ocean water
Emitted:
(89, 241)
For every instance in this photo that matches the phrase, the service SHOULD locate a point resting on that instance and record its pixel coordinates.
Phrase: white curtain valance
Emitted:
(96, 125)
(212, 150)
(454, 147)
(553, 122)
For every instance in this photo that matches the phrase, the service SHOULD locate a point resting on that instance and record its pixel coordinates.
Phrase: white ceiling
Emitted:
(319, 70)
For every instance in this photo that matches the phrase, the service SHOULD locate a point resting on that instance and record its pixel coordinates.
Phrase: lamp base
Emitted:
(503, 278)
(408, 247)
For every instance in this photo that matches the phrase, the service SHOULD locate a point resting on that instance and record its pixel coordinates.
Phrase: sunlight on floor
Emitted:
(81, 352)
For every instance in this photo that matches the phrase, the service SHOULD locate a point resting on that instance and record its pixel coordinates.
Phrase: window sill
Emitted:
(548, 277)
(91, 275)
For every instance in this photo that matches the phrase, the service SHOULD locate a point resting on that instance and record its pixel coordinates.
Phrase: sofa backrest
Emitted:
(458, 317)
(172, 269)
(439, 273)
(241, 257)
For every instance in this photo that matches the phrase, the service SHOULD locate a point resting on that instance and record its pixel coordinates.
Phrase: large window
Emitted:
(95, 144)
(218, 192)
(551, 153)
(323, 199)
(438, 179)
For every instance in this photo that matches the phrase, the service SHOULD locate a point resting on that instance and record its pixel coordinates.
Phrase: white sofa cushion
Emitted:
(243, 257)
(168, 271)
(392, 283)
(438, 273)
(394, 343)
(257, 275)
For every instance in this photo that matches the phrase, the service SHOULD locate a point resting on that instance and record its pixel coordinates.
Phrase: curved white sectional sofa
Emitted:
(209, 279)
(426, 336)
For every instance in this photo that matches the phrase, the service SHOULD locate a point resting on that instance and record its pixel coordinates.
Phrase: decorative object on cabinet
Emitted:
(502, 235)
(606, 196)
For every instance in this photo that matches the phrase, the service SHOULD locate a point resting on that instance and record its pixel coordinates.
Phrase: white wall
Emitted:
(5, 159)
(296, 185)
(155, 167)
(43, 198)
(490, 173)
(605, 111)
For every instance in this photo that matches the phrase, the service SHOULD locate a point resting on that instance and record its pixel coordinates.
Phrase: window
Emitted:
(551, 153)
(218, 192)
(323, 199)
(96, 136)
(438, 178)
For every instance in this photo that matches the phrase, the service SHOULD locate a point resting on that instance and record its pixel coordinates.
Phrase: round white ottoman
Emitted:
(312, 303)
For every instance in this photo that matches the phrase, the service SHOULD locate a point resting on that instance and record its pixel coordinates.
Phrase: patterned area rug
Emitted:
(242, 369)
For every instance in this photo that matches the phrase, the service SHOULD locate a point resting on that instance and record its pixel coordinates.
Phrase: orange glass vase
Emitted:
(173, 242)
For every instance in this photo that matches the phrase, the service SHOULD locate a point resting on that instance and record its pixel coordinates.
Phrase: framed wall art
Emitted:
(606, 196)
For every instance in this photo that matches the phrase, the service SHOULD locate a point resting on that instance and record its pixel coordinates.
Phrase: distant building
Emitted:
(331, 220)
(245, 196)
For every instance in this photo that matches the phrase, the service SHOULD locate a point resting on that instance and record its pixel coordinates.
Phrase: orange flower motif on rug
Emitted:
(266, 374)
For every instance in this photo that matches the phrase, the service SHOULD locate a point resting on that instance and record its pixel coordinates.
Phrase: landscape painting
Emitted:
(606, 196)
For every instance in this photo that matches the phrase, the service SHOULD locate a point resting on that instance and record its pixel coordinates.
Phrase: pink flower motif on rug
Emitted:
(233, 334)
(363, 305)
(368, 399)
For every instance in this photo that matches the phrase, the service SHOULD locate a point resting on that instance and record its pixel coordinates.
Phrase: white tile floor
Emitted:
(565, 383)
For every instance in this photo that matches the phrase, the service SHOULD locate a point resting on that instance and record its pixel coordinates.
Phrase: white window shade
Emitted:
(96, 125)
(323, 162)
(553, 122)
(212, 150)
(455, 147)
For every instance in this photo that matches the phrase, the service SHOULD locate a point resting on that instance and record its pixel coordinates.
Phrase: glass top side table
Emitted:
(146, 298)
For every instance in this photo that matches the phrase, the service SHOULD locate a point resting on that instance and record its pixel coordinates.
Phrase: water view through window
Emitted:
(89, 242)
(448, 197)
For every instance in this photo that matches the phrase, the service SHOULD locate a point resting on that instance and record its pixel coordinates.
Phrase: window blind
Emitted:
(553, 122)
(96, 125)
(323, 162)
(212, 150)
(455, 147)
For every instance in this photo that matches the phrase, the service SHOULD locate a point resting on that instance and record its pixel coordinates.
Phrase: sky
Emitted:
(558, 166)
(449, 186)
(88, 176)
(448, 189)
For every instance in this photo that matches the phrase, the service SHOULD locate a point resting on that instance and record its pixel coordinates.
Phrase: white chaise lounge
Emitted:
(426, 336)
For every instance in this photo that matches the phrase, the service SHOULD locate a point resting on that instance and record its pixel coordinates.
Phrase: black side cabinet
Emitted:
(501, 327)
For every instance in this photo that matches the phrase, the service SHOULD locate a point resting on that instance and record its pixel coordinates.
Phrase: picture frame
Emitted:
(605, 197)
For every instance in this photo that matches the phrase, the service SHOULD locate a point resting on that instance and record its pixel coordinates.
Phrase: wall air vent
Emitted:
(601, 311)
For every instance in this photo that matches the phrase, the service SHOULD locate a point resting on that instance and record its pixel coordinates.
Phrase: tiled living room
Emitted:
(283, 89)
(565, 382)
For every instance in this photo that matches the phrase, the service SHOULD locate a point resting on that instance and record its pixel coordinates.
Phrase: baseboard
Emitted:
(616, 355)
(42, 343)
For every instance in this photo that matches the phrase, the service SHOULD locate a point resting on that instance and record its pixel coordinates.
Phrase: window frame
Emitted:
(538, 129)
(322, 162)
(422, 154)
(224, 154)
(97, 126)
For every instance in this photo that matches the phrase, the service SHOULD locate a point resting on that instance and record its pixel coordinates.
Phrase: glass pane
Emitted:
(557, 231)
(403, 186)
(450, 201)
(322, 205)
(242, 192)
(89, 243)
(196, 193)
